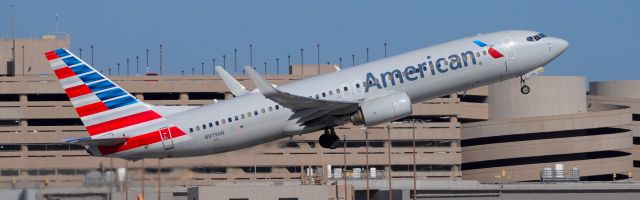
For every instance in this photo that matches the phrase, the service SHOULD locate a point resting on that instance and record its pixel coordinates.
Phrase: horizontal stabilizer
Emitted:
(96, 142)
(234, 86)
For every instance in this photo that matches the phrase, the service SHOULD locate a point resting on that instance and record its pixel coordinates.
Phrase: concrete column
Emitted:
(23, 100)
(139, 97)
(228, 95)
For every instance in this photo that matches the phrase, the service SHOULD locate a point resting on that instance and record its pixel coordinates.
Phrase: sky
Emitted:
(603, 35)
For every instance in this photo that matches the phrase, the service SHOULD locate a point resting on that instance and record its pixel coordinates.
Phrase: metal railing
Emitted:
(552, 175)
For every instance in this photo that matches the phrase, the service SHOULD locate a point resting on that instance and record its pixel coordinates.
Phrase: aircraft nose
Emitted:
(557, 45)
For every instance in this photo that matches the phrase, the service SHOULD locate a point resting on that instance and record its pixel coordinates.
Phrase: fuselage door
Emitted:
(166, 137)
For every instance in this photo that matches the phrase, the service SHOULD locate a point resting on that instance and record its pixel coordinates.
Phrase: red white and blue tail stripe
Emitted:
(102, 105)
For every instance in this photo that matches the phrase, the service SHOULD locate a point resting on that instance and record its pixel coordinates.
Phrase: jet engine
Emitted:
(383, 109)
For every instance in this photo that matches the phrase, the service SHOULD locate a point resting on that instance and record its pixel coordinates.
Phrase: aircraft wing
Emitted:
(234, 86)
(306, 108)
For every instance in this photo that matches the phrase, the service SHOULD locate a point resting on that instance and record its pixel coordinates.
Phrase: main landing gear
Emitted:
(329, 139)
(524, 88)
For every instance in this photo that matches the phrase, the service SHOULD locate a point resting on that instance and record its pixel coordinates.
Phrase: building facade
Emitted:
(554, 132)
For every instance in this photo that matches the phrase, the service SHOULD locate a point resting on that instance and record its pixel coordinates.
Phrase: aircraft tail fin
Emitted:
(102, 105)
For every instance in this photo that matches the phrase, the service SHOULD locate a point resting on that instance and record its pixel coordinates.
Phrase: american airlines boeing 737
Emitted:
(122, 126)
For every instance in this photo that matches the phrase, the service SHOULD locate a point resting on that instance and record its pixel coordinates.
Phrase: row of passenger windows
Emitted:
(235, 118)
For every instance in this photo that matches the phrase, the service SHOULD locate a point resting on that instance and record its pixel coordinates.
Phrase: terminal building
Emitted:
(490, 134)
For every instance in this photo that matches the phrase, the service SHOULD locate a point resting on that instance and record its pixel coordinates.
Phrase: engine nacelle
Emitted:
(383, 109)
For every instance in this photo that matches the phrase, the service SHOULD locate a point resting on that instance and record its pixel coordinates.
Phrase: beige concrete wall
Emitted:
(621, 89)
(550, 95)
(34, 50)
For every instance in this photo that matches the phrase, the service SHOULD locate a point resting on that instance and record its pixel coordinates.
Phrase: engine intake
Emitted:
(383, 109)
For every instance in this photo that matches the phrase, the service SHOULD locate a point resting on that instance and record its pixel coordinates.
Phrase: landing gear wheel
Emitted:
(525, 89)
(329, 139)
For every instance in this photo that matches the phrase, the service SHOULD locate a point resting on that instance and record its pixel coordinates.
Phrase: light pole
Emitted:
(235, 61)
(277, 66)
(147, 61)
(224, 62)
(202, 68)
(80, 49)
(118, 69)
(302, 60)
(367, 54)
(353, 60)
(161, 67)
(127, 66)
(340, 61)
(318, 45)
(251, 55)
(137, 66)
(385, 49)
(265, 68)
(92, 56)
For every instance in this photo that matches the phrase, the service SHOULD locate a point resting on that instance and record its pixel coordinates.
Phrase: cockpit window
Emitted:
(536, 37)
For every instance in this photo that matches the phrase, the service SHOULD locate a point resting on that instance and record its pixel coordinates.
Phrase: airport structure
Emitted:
(494, 134)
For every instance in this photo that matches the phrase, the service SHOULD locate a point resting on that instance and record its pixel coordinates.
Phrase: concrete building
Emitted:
(625, 93)
(554, 127)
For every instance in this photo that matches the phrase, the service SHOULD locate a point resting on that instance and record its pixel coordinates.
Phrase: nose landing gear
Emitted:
(329, 139)
(524, 88)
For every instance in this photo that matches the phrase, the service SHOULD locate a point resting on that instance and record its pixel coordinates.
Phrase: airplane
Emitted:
(121, 126)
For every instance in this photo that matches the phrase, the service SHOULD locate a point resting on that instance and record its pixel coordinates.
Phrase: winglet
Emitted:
(232, 84)
(265, 88)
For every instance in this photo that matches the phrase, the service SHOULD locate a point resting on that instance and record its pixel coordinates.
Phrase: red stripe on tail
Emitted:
(77, 91)
(140, 140)
(122, 122)
(51, 55)
(64, 72)
(91, 109)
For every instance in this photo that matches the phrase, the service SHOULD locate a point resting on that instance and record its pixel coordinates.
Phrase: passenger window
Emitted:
(248, 114)
(358, 84)
(242, 116)
(217, 124)
(330, 92)
(445, 63)
(255, 113)
(317, 96)
(484, 53)
(191, 130)
(204, 126)
(277, 107)
(270, 108)
(346, 89)
(210, 124)
(264, 111)
(236, 117)
(197, 128)
(324, 95)
(230, 120)
(477, 54)
(224, 121)
(338, 91)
